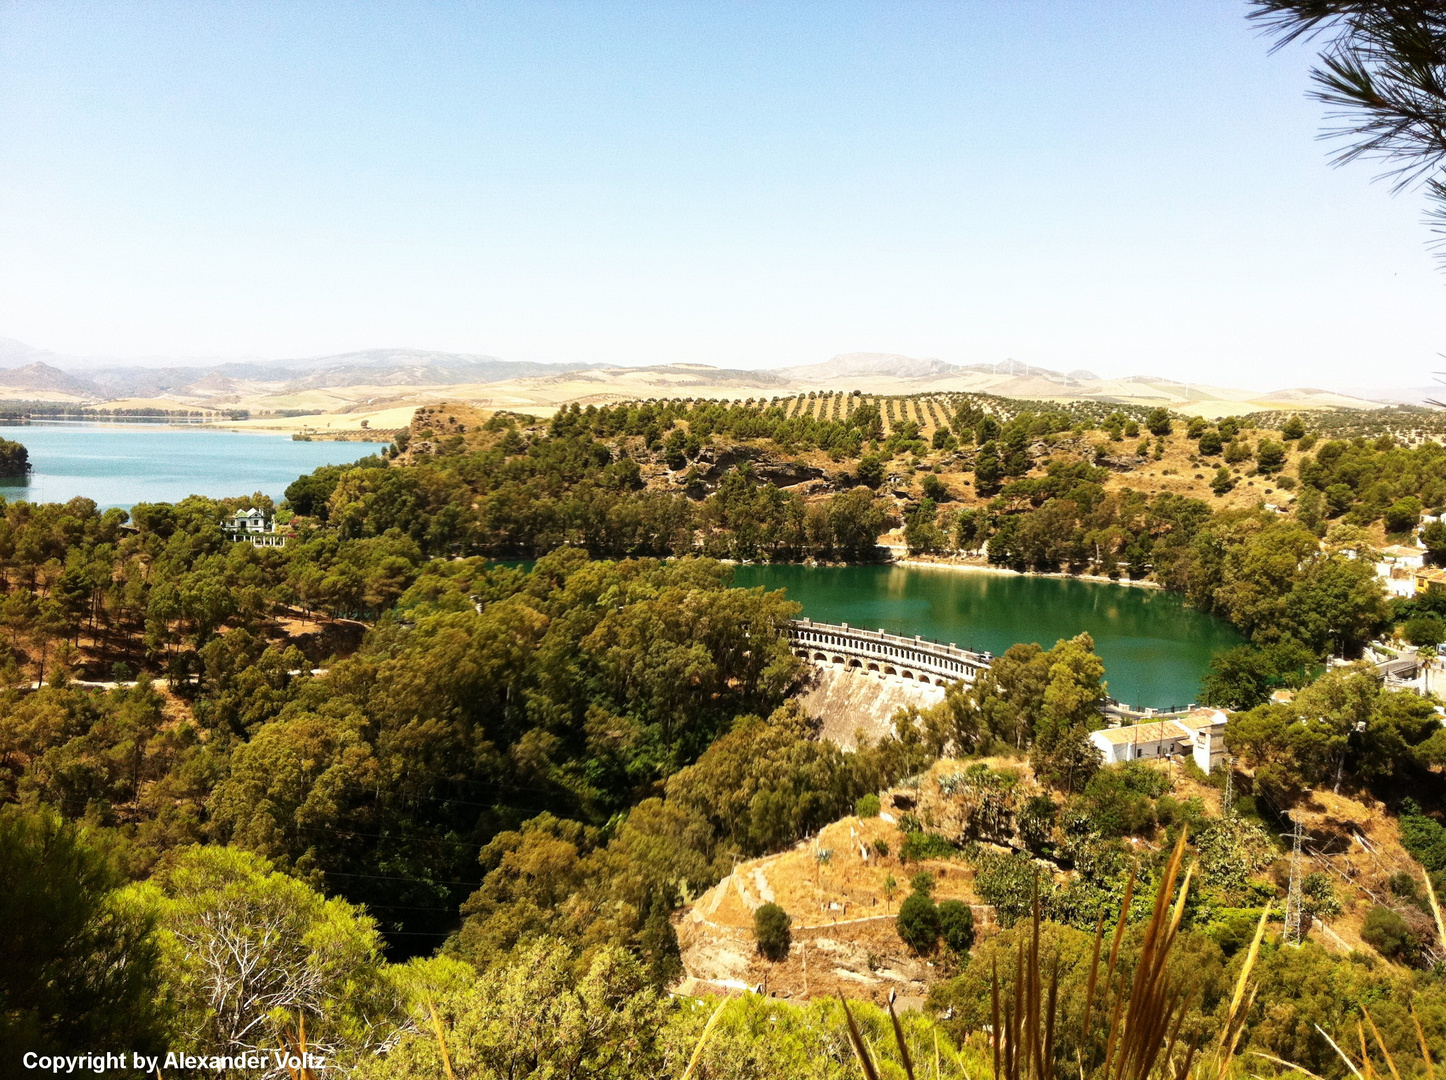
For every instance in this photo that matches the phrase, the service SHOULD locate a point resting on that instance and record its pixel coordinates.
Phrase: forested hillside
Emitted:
(371, 773)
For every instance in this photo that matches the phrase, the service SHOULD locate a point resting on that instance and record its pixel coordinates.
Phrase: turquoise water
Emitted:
(1154, 647)
(123, 464)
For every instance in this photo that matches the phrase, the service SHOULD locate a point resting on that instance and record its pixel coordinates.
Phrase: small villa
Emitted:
(255, 526)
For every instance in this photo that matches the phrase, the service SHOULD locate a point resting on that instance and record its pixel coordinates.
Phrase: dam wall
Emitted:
(852, 702)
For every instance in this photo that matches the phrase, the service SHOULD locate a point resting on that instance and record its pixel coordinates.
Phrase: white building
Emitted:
(1398, 567)
(1199, 733)
(255, 526)
(1157, 739)
(1206, 728)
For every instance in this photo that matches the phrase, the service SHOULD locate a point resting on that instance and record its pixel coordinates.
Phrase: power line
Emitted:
(414, 880)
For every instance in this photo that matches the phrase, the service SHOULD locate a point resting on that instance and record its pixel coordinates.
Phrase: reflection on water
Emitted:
(1154, 647)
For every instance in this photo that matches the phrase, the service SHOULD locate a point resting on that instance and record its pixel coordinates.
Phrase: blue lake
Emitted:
(123, 464)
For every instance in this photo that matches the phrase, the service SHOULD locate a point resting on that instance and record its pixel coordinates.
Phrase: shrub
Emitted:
(922, 882)
(1402, 884)
(1424, 630)
(1320, 896)
(867, 806)
(918, 923)
(1386, 932)
(921, 845)
(770, 931)
(956, 924)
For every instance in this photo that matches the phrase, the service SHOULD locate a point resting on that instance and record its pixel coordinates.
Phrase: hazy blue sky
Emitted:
(1127, 187)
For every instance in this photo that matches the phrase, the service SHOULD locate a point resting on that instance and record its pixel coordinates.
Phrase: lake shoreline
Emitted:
(986, 568)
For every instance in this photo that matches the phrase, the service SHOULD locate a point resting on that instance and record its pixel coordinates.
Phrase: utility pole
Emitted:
(1294, 912)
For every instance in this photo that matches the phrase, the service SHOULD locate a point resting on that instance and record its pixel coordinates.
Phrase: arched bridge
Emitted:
(885, 653)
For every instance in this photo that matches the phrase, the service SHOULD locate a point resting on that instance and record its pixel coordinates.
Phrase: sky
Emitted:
(1129, 188)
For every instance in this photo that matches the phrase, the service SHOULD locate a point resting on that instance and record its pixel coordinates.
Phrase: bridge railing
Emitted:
(921, 648)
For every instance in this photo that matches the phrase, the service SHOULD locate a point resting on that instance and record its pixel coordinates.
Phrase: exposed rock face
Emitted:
(712, 464)
(851, 702)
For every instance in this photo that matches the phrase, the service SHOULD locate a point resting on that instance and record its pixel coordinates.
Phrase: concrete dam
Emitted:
(861, 678)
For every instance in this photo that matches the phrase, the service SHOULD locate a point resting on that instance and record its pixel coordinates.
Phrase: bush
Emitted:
(1320, 896)
(918, 846)
(922, 882)
(1402, 884)
(956, 924)
(871, 470)
(867, 806)
(1424, 630)
(1386, 932)
(770, 931)
(918, 923)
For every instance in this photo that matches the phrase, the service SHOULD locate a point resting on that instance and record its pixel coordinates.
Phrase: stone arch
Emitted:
(907, 674)
(856, 663)
(820, 656)
(889, 669)
(838, 659)
(873, 665)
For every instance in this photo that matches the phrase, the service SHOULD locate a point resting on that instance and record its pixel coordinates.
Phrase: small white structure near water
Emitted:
(1199, 733)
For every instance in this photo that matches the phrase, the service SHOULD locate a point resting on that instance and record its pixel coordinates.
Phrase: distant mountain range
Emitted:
(376, 378)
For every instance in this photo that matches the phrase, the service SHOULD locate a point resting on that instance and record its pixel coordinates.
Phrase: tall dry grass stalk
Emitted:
(441, 1038)
(1147, 1012)
(1436, 911)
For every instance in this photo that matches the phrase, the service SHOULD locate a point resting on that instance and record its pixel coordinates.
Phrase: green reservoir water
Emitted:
(1154, 647)
(123, 464)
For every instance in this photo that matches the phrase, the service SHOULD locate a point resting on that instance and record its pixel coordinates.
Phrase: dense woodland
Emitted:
(438, 778)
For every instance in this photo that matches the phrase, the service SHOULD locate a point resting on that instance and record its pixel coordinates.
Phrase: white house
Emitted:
(1199, 733)
(255, 526)
(1398, 567)
(1157, 739)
